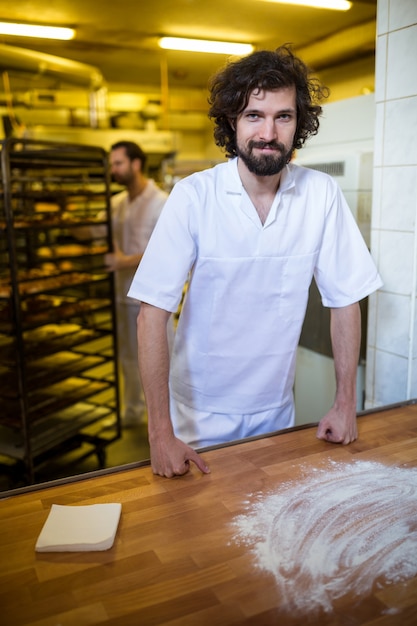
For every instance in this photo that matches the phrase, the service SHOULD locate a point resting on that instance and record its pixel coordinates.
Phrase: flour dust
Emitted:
(348, 528)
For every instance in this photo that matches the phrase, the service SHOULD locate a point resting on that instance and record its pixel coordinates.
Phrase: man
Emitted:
(135, 212)
(250, 233)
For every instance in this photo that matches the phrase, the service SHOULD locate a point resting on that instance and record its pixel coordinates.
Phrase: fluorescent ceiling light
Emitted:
(335, 5)
(33, 30)
(203, 45)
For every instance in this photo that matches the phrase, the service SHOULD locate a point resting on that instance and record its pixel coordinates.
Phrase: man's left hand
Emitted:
(338, 426)
(115, 260)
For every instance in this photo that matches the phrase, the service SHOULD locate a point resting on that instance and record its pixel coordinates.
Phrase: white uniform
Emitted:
(132, 223)
(236, 340)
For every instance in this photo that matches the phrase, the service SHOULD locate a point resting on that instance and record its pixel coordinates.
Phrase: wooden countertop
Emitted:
(175, 559)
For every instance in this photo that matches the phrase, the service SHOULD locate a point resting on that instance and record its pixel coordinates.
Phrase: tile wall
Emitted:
(391, 365)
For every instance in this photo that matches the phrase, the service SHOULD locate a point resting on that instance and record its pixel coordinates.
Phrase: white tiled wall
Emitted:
(391, 367)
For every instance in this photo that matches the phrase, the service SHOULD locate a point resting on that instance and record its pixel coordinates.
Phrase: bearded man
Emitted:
(250, 234)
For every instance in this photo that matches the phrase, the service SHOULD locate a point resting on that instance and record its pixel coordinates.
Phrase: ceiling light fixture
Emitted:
(335, 5)
(204, 45)
(34, 30)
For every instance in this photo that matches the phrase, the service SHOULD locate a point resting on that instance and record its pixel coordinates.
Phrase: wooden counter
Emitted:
(175, 559)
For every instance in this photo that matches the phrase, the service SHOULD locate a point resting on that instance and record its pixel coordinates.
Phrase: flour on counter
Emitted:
(348, 527)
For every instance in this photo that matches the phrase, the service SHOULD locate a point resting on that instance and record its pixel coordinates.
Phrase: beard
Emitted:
(121, 179)
(265, 164)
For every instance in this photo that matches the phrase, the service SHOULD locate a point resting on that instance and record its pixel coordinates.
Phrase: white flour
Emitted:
(350, 527)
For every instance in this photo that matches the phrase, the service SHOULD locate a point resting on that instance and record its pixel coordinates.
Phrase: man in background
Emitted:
(134, 212)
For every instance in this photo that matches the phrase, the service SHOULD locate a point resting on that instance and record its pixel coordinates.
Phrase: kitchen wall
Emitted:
(41, 111)
(346, 152)
(391, 373)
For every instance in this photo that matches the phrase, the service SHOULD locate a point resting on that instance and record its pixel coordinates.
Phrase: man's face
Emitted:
(265, 131)
(121, 167)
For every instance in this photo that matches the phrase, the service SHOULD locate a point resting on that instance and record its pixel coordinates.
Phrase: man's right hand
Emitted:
(171, 457)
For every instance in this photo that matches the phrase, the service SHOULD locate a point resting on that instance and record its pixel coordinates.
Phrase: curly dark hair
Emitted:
(232, 86)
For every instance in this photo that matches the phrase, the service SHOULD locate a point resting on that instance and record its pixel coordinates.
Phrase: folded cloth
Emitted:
(79, 528)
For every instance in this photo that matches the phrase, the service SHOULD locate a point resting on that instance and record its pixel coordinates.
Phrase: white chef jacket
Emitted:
(235, 346)
(133, 222)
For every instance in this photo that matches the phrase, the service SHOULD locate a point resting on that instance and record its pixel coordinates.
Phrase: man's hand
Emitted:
(118, 260)
(115, 260)
(338, 426)
(171, 457)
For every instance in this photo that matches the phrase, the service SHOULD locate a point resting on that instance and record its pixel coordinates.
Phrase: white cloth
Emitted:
(132, 222)
(133, 399)
(236, 340)
(89, 527)
(200, 429)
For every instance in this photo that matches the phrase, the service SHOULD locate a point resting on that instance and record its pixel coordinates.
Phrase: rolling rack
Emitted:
(58, 356)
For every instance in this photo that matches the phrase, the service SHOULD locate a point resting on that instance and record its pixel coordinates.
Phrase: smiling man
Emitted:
(249, 234)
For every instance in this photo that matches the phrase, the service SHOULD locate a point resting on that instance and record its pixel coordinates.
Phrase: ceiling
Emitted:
(119, 37)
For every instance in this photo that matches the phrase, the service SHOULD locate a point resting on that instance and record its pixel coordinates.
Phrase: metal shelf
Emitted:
(56, 302)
